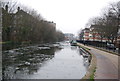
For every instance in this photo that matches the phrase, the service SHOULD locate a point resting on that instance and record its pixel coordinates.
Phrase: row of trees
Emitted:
(107, 25)
(26, 26)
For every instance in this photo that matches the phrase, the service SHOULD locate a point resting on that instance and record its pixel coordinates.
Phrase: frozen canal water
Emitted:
(58, 61)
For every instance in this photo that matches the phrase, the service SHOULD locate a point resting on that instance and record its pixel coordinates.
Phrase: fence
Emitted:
(103, 45)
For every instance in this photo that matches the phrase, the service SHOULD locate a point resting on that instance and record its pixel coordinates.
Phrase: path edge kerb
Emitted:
(92, 65)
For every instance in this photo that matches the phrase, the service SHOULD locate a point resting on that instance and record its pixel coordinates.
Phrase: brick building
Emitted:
(90, 34)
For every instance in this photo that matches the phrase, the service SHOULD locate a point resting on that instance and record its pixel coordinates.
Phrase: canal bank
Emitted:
(92, 68)
(106, 65)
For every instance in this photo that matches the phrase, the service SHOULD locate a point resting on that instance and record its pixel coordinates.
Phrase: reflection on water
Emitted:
(73, 47)
(54, 61)
(23, 61)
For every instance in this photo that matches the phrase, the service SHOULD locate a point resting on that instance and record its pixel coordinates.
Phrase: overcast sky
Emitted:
(69, 15)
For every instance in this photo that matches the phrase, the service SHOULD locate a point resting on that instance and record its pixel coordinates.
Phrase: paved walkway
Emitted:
(107, 64)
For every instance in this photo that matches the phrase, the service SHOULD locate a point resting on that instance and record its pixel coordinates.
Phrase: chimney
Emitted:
(6, 8)
(18, 9)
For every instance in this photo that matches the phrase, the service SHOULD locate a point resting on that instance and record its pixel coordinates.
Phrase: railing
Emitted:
(101, 45)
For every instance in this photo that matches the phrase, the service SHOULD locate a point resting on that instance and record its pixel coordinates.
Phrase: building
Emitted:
(69, 36)
(86, 33)
(95, 35)
(91, 34)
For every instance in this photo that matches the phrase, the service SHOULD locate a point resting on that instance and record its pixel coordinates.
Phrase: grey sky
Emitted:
(69, 15)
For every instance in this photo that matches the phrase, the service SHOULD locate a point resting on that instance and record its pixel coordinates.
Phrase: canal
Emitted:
(47, 61)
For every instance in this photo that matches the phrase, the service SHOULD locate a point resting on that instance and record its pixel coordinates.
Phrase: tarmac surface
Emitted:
(107, 64)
